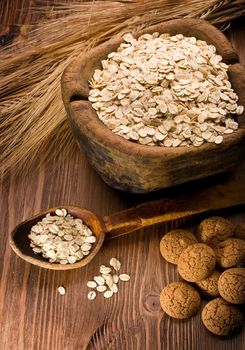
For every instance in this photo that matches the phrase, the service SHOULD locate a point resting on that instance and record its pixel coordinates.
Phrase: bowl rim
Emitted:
(104, 136)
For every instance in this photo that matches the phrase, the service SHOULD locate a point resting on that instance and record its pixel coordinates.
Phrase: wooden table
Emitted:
(34, 316)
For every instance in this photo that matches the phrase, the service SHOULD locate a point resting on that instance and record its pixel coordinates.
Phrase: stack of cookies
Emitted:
(212, 266)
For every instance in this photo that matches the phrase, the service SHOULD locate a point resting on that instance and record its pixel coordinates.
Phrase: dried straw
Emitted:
(33, 119)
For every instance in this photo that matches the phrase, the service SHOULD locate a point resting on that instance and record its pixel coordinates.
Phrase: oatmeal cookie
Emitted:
(230, 252)
(209, 286)
(174, 242)
(221, 318)
(196, 262)
(180, 300)
(215, 230)
(231, 285)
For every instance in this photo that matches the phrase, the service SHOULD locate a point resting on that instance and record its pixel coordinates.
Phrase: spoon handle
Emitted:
(215, 197)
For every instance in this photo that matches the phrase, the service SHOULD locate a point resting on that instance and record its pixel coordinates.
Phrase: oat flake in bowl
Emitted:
(166, 91)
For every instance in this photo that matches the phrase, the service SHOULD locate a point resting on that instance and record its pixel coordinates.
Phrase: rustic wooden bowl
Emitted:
(128, 166)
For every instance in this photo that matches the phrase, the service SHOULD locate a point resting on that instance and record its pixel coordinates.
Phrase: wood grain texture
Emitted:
(14, 12)
(33, 316)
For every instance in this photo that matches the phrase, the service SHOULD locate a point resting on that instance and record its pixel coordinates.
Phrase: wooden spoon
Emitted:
(216, 197)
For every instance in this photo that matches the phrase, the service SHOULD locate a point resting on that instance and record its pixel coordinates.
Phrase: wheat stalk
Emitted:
(214, 8)
(33, 119)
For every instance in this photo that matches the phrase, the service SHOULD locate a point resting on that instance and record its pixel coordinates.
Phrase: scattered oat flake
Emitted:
(115, 278)
(115, 263)
(61, 290)
(124, 277)
(114, 288)
(91, 284)
(105, 269)
(99, 280)
(106, 282)
(92, 295)
(108, 294)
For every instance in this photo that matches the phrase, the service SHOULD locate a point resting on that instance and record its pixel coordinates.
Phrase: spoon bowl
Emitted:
(20, 242)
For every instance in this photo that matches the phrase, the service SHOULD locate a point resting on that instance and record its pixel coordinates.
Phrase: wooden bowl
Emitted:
(128, 166)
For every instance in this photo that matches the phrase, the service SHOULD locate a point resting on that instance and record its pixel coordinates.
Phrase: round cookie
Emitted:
(221, 318)
(231, 285)
(196, 262)
(215, 230)
(209, 286)
(240, 231)
(230, 252)
(180, 300)
(174, 242)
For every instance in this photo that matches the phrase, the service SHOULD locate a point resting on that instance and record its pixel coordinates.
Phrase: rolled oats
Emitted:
(99, 280)
(104, 269)
(115, 278)
(114, 288)
(59, 212)
(101, 288)
(61, 238)
(106, 283)
(92, 295)
(108, 294)
(124, 277)
(91, 284)
(115, 263)
(61, 290)
(166, 91)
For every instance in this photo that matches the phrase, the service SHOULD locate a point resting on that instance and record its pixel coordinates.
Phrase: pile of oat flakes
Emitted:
(107, 281)
(165, 90)
(61, 238)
